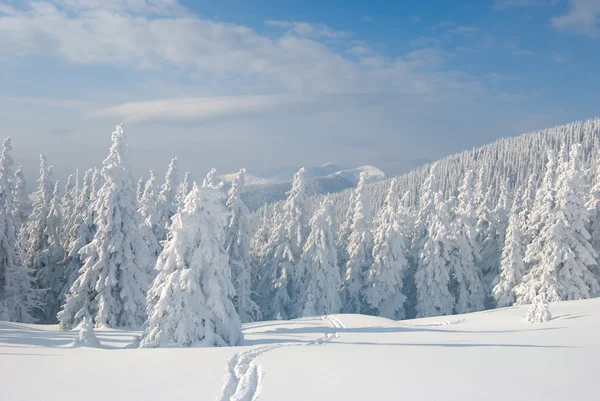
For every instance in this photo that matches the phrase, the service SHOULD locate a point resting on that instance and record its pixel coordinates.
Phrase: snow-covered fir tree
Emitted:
(277, 289)
(539, 312)
(190, 301)
(318, 269)
(50, 273)
(432, 277)
(466, 282)
(18, 296)
(593, 206)
(20, 202)
(212, 180)
(237, 245)
(113, 281)
(140, 189)
(561, 256)
(360, 251)
(385, 278)
(166, 207)
(81, 232)
(512, 267)
(184, 189)
(150, 206)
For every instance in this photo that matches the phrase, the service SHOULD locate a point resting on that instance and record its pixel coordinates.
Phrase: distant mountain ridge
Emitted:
(325, 179)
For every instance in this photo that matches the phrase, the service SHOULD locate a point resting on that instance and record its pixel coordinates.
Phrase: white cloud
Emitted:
(464, 30)
(309, 29)
(583, 18)
(200, 109)
(506, 4)
(366, 18)
(559, 58)
(218, 52)
(359, 50)
(415, 19)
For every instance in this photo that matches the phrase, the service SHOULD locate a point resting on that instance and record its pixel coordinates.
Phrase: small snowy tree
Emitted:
(360, 250)
(320, 277)
(385, 278)
(184, 189)
(512, 267)
(113, 281)
(212, 180)
(87, 336)
(432, 278)
(539, 311)
(237, 246)
(190, 301)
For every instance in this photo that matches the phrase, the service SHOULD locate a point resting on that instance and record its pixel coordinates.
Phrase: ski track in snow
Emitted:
(445, 323)
(243, 379)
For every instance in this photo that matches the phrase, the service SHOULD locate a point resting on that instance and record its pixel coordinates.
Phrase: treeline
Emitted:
(512, 222)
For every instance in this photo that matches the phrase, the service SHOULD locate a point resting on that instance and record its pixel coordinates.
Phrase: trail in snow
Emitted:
(243, 379)
(444, 323)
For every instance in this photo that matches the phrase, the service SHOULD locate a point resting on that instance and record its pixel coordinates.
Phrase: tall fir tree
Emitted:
(385, 278)
(432, 277)
(464, 255)
(319, 274)
(167, 201)
(360, 251)
(190, 301)
(113, 281)
(561, 256)
(237, 245)
(512, 267)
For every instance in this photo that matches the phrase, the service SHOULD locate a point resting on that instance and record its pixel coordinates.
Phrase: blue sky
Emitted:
(276, 85)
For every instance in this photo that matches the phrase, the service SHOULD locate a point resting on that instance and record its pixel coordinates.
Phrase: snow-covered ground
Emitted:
(491, 355)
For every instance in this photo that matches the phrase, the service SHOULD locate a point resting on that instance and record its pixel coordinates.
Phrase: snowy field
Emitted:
(491, 355)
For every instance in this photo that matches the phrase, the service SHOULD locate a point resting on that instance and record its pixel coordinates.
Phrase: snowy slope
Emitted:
(491, 355)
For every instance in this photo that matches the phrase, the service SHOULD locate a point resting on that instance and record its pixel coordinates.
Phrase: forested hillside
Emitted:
(516, 221)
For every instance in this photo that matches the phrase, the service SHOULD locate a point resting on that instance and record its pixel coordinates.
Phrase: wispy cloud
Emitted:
(367, 18)
(309, 29)
(464, 30)
(507, 4)
(583, 17)
(559, 58)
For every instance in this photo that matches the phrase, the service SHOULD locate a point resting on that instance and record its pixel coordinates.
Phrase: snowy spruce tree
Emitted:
(237, 245)
(153, 218)
(277, 289)
(50, 273)
(385, 278)
(212, 180)
(190, 301)
(539, 312)
(111, 288)
(183, 190)
(166, 207)
(466, 282)
(561, 256)
(20, 202)
(360, 251)
(593, 206)
(512, 267)
(432, 277)
(319, 273)
(81, 232)
(19, 298)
